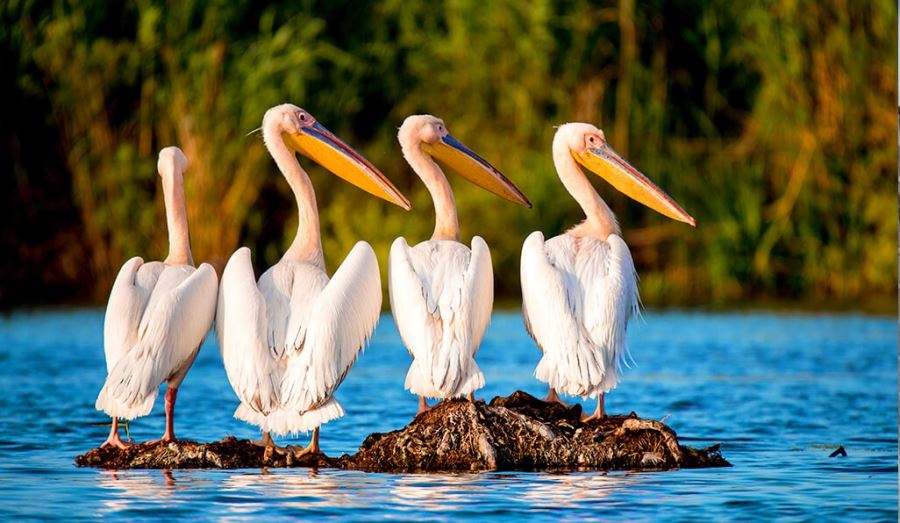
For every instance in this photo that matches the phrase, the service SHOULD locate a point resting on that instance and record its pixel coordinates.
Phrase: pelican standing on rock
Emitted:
(157, 316)
(289, 339)
(442, 292)
(579, 289)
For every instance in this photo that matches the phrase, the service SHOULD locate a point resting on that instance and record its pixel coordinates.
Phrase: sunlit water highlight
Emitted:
(780, 391)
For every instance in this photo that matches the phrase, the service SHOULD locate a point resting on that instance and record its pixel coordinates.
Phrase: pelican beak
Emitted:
(322, 146)
(475, 169)
(628, 180)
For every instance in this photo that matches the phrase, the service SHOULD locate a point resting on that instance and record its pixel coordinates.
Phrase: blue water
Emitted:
(779, 391)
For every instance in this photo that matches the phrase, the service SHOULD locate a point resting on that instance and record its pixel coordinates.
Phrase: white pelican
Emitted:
(442, 292)
(157, 316)
(579, 289)
(289, 340)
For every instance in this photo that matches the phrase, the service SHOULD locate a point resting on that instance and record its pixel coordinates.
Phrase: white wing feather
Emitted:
(613, 300)
(442, 296)
(344, 316)
(480, 281)
(578, 296)
(414, 310)
(241, 324)
(547, 307)
(178, 317)
(127, 302)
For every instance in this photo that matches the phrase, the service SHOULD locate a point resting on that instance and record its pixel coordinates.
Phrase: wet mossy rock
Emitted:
(229, 453)
(518, 432)
(521, 432)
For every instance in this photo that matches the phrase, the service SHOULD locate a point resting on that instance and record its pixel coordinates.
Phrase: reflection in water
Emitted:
(436, 491)
(303, 489)
(299, 488)
(441, 492)
(132, 488)
(572, 490)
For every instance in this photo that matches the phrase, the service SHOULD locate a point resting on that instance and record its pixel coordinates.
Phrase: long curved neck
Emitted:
(307, 244)
(600, 222)
(446, 221)
(176, 219)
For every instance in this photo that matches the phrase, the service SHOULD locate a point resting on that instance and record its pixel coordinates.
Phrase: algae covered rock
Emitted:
(521, 432)
(229, 453)
(518, 432)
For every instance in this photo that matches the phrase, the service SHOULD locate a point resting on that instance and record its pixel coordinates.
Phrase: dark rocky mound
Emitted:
(518, 432)
(230, 453)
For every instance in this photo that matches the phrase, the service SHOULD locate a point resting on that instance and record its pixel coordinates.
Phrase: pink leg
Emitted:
(423, 405)
(113, 440)
(472, 397)
(600, 413)
(314, 442)
(169, 436)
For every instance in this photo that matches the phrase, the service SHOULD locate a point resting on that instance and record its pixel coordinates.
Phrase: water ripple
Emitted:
(779, 392)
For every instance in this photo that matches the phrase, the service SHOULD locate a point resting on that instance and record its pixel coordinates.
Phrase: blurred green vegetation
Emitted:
(773, 123)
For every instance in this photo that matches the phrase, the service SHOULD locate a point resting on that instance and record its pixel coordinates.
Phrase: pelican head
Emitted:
(432, 136)
(589, 147)
(171, 160)
(303, 134)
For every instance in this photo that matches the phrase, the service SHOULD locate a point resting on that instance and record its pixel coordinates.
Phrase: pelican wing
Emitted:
(612, 298)
(548, 307)
(444, 287)
(178, 317)
(480, 287)
(127, 302)
(176, 323)
(340, 324)
(578, 296)
(413, 307)
(241, 329)
(442, 295)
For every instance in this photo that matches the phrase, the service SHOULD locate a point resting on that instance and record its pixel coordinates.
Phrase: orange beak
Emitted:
(606, 163)
(322, 146)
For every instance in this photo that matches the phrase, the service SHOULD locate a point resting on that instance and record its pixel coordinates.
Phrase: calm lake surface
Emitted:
(779, 391)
